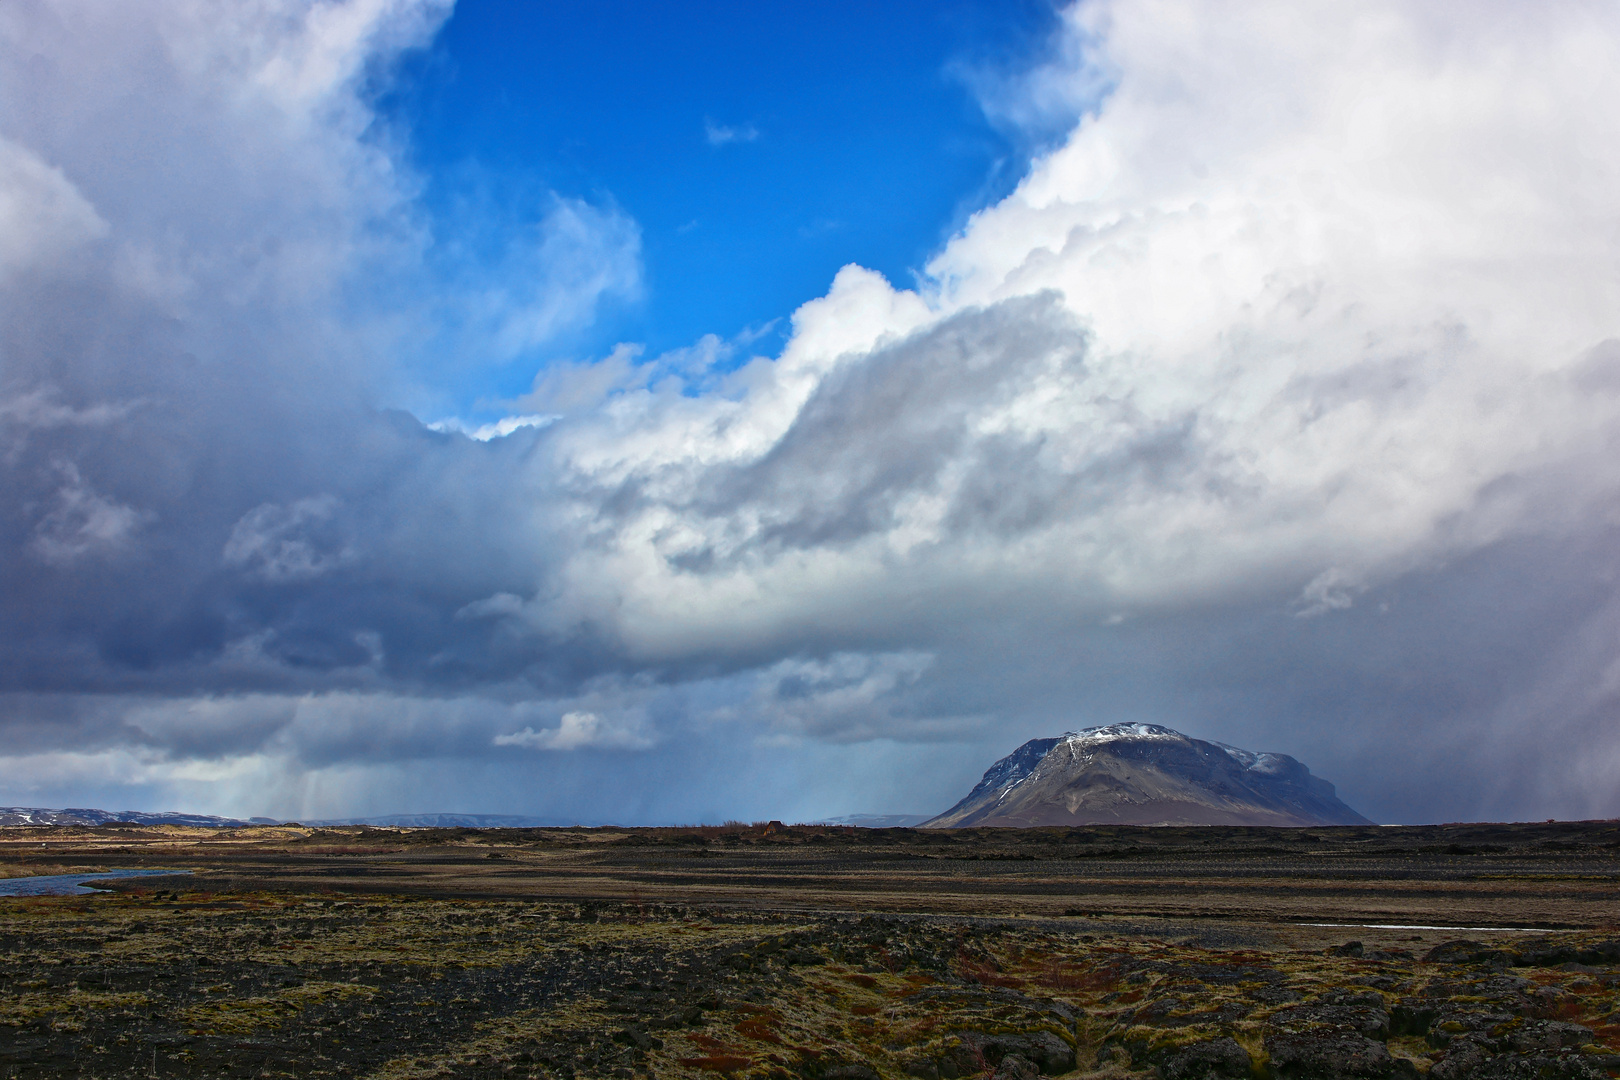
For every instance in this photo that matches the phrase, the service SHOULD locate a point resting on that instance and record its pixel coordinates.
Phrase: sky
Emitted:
(651, 414)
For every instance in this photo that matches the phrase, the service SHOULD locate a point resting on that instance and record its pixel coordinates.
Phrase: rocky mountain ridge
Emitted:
(1145, 774)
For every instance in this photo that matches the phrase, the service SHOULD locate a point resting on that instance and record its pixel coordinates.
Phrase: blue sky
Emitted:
(531, 408)
(757, 147)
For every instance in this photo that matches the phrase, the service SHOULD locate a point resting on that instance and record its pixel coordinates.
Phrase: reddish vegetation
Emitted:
(758, 1030)
(721, 1063)
(759, 1024)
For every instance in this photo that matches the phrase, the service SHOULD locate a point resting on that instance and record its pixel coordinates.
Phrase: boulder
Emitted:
(1462, 951)
(1017, 1067)
(1048, 1053)
(1206, 1060)
(1326, 1054)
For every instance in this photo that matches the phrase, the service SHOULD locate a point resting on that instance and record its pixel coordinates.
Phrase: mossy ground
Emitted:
(195, 984)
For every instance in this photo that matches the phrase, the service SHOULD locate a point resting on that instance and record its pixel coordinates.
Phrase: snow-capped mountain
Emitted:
(1144, 774)
(34, 815)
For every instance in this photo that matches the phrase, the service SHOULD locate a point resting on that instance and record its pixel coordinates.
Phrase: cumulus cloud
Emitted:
(1278, 404)
(578, 730)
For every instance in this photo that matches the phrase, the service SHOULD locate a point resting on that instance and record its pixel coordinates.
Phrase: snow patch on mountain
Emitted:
(1268, 764)
(1091, 736)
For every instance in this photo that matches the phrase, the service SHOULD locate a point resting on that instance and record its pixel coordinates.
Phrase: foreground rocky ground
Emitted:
(309, 953)
(198, 985)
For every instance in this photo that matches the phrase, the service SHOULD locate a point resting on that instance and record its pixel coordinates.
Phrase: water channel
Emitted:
(72, 884)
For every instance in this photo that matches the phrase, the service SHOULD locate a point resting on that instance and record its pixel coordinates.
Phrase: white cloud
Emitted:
(554, 276)
(578, 731)
(721, 134)
(1044, 97)
(1331, 590)
(39, 409)
(1326, 273)
(42, 410)
(43, 217)
(83, 523)
(333, 40)
(287, 543)
(498, 429)
(501, 605)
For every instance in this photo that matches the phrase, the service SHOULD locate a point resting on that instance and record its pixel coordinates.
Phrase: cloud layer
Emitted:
(1277, 405)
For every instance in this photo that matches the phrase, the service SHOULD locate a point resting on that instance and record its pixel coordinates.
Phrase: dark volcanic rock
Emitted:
(1475, 1062)
(1016, 1067)
(850, 1072)
(1041, 1050)
(1548, 1035)
(1142, 774)
(1221, 1057)
(1327, 1054)
(1469, 952)
(1373, 1023)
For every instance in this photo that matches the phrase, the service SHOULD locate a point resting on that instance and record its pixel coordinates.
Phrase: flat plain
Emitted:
(818, 952)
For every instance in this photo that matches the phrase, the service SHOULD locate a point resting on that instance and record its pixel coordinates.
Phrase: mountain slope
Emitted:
(1143, 774)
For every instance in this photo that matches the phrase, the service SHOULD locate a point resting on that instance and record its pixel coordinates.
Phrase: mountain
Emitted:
(1143, 774)
(33, 815)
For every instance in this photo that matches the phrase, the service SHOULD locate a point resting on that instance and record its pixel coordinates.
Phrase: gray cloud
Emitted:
(884, 427)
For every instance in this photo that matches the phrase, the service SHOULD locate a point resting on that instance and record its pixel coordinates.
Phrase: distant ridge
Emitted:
(876, 821)
(448, 821)
(1144, 774)
(32, 815)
